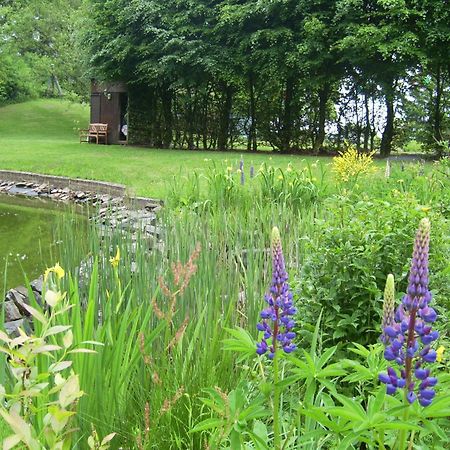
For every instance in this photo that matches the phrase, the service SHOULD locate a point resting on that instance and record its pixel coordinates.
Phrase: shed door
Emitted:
(95, 108)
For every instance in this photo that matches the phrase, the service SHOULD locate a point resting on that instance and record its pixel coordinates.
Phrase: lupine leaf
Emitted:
(207, 424)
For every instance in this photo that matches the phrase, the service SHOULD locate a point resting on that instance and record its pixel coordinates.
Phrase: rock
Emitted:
(12, 327)
(11, 311)
(154, 231)
(19, 300)
(22, 290)
(37, 284)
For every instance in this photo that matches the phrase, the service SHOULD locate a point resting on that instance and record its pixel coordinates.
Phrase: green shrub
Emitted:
(357, 245)
(16, 80)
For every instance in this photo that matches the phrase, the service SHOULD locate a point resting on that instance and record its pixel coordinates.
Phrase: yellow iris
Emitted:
(56, 269)
(115, 261)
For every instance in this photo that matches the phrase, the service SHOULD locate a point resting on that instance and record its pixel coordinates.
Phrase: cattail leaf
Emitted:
(82, 350)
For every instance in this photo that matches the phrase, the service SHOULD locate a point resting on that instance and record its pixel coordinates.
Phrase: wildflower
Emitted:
(280, 177)
(440, 354)
(241, 164)
(56, 269)
(350, 164)
(387, 172)
(425, 209)
(410, 334)
(229, 169)
(388, 307)
(289, 168)
(242, 177)
(252, 171)
(277, 322)
(115, 260)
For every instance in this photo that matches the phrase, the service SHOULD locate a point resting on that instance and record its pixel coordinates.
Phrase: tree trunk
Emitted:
(367, 126)
(167, 131)
(252, 140)
(224, 119)
(286, 128)
(324, 93)
(388, 132)
(437, 113)
(358, 122)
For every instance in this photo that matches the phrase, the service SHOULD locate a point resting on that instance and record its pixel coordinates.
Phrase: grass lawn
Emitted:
(41, 136)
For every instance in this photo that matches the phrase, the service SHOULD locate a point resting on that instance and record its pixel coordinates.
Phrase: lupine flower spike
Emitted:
(388, 307)
(252, 171)
(277, 323)
(387, 172)
(241, 170)
(410, 336)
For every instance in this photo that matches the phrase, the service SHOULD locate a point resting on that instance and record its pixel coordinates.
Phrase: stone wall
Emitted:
(135, 215)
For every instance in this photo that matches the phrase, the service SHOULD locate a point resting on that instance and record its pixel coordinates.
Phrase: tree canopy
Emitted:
(294, 75)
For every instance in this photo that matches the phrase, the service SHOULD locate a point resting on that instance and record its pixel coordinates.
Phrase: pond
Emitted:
(27, 238)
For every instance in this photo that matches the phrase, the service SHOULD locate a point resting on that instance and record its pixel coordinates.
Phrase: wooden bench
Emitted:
(97, 131)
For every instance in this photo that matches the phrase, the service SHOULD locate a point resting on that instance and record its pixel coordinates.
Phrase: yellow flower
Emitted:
(56, 269)
(115, 261)
(440, 354)
(425, 209)
(280, 177)
(350, 164)
(289, 168)
(229, 169)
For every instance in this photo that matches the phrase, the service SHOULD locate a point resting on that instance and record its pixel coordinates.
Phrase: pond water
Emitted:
(27, 238)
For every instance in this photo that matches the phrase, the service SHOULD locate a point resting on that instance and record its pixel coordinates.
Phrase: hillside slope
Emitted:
(42, 120)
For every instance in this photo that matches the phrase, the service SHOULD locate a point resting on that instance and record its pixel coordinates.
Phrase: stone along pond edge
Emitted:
(114, 208)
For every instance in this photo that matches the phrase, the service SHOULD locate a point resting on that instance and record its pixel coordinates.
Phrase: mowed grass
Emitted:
(42, 136)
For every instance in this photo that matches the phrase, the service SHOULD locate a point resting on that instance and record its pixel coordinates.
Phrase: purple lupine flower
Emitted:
(241, 169)
(277, 323)
(388, 308)
(409, 336)
(252, 171)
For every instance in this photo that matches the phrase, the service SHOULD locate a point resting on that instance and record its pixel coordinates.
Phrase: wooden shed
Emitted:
(109, 104)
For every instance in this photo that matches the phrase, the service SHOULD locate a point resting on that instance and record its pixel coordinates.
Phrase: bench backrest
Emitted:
(98, 127)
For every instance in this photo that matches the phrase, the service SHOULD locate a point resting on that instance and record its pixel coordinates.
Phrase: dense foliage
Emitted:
(38, 49)
(294, 75)
(172, 332)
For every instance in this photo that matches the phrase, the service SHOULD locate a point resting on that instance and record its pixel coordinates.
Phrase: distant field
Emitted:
(41, 136)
